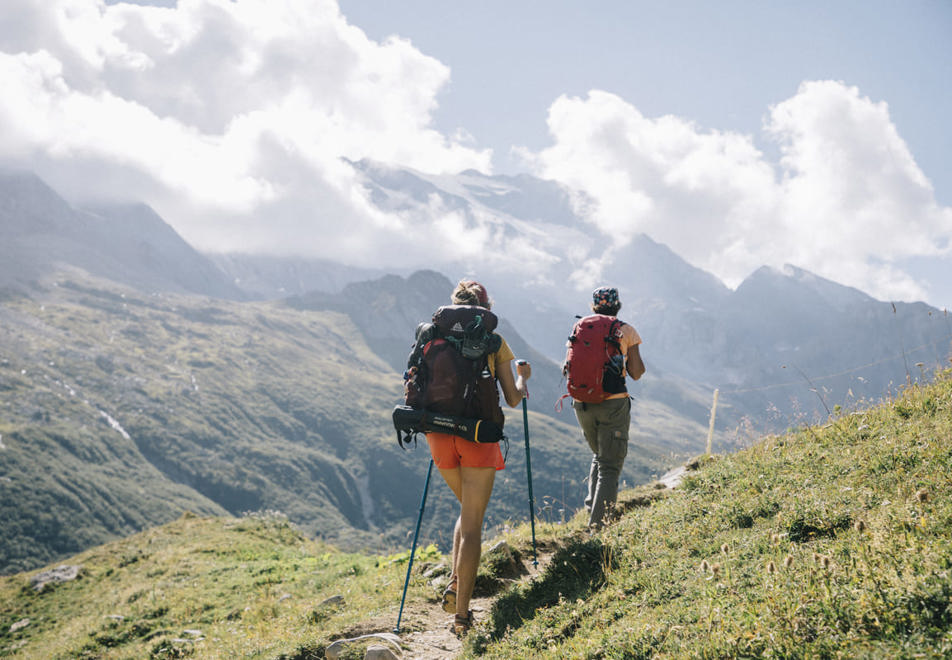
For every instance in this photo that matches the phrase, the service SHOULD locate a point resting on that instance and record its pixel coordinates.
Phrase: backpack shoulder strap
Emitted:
(612, 337)
(494, 343)
(425, 333)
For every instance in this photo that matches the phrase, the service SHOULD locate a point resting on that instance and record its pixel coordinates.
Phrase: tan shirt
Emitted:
(627, 337)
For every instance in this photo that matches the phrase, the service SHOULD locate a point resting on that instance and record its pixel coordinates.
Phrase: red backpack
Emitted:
(594, 366)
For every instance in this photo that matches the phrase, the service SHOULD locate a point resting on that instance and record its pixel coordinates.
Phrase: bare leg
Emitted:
(473, 487)
(449, 599)
(454, 480)
(477, 488)
(455, 555)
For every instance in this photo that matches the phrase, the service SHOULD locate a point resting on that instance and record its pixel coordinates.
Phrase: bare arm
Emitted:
(634, 363)
(513, 387)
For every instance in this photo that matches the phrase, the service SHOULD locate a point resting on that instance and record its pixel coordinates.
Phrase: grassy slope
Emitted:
(824, 542)
(222, 413)
(250, 587)
(828, 541)
(228, 407)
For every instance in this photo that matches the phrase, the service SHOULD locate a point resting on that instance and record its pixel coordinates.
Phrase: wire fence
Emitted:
(929, 357)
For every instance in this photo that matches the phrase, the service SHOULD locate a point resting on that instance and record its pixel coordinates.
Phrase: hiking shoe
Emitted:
(462, 624)
(449, 598)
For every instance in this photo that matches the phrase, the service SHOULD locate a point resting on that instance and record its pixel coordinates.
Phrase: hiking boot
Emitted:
(448, 601)
(462, 624)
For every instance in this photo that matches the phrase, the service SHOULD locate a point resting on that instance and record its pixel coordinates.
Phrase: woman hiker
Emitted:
(469, 469)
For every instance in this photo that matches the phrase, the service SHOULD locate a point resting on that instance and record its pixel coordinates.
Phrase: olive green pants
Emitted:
(605, 427)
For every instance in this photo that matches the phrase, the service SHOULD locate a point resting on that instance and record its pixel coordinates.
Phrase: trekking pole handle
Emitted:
(524, 370)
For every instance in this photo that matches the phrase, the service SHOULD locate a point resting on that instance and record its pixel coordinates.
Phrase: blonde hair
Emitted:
(470, 292)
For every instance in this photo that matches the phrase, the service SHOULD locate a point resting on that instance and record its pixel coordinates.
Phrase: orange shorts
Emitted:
(452, 451)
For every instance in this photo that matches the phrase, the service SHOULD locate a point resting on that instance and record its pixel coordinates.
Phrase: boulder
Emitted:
(337, 648)
(19, 625)
(63, 573)
(380, 653)
(333, 601)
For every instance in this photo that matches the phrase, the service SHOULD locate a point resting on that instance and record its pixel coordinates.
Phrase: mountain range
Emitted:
(140, 377)
(784, 346)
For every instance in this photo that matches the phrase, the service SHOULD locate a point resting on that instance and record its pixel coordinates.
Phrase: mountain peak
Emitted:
(29, 205)
(40, 232)
(792, 280)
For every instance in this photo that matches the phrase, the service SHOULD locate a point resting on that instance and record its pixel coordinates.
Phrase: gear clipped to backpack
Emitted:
(448, 385)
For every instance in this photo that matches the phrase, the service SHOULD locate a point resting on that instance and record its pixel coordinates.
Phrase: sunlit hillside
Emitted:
(831, 541)
(121, 409)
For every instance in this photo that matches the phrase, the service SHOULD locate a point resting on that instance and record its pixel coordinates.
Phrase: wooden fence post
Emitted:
(710, 430)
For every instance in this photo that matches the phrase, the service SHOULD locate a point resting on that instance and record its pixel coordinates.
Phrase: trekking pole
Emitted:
(426, 487)
(525, 425)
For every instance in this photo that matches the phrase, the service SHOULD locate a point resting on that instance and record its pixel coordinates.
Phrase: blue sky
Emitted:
(720, 64)
(740, 134)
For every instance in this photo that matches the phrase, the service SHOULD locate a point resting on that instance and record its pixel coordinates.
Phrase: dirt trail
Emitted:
(426, 627)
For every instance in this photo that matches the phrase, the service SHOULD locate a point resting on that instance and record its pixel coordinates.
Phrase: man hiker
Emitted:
(608, 348)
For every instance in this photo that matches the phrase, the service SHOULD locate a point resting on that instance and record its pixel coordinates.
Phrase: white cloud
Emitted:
(846, 200)
(235, 121)
(849, 179)
(230, 118)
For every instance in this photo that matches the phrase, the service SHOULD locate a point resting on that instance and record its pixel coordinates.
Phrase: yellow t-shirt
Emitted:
(500, 357)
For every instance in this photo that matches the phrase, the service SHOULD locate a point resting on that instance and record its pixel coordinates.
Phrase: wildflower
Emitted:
(725, 549)
(816, 558)
(824, 561)
(788, 561)
(774, 539)
(705, 567)
(715, 569)
(771, 568)
(860, 526)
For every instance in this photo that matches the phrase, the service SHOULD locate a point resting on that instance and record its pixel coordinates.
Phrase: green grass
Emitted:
(832, 541)
(208, 587)
(827, 542)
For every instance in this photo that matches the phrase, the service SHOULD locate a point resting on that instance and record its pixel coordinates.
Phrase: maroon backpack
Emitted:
(594, 366)
(448, 370)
